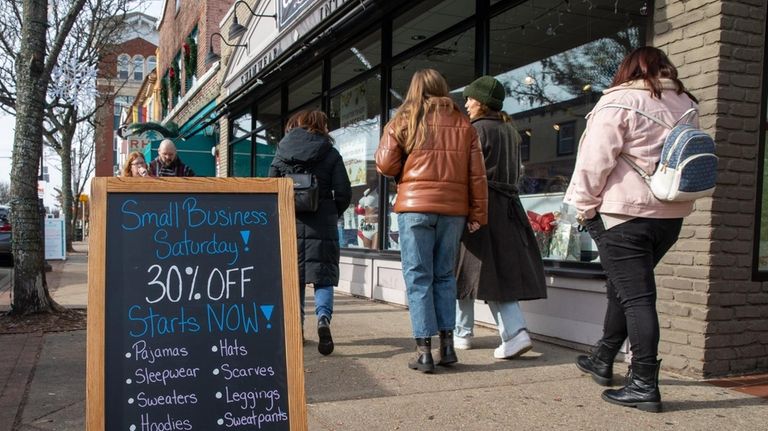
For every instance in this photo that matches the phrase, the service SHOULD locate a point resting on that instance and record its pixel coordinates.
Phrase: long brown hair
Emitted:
(649, 64)
(129, 161)
(484, 110)
(408, 122)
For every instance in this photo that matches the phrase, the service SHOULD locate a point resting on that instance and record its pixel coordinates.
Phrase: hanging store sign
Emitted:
(312, 14)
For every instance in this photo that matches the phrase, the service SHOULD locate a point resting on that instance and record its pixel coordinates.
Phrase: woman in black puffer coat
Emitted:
(307, 147)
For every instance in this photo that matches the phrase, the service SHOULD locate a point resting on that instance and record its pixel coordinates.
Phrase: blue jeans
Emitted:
(508, 316)
(428, 247)
(629, 252)
(323, 301)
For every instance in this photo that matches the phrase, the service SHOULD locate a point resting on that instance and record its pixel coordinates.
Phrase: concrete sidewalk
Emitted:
(366, 385)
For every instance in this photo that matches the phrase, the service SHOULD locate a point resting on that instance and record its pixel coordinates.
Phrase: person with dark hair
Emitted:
(633, 230)
(501, 262)
(307, 145)
(431, 150)
(168, 163)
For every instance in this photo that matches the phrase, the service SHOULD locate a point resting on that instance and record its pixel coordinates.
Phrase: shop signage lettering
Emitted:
(260, 64)
(321, 12)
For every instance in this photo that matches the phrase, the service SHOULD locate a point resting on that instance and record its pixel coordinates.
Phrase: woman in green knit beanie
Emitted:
(495, 263)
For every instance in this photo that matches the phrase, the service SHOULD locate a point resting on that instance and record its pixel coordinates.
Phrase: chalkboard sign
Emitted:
(193, 306)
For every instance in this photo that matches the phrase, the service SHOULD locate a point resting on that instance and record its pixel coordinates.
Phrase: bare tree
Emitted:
(30, 48)
(73, 94)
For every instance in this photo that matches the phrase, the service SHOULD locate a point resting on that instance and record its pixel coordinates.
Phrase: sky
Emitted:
(8, 127)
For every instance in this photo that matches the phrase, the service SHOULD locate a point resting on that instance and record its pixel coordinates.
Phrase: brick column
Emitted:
(714, 318)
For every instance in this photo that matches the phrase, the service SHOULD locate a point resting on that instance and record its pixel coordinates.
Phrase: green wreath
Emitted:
(173, 74)
(164, 93)
(190, 57)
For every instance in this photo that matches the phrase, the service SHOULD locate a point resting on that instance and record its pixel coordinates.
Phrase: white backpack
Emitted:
(687, 169)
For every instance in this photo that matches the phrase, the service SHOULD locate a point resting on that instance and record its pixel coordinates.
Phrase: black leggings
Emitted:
(629, 252)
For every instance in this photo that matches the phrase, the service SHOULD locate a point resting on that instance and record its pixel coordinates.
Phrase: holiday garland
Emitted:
(190, 57)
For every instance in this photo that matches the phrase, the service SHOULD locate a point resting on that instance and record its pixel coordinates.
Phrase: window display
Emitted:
(354, 122)
(550, 90)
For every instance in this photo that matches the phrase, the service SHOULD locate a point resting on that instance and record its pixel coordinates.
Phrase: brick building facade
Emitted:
(138, 43)
(714, 317)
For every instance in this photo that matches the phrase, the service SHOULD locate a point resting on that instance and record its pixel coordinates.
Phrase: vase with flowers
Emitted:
(543, 226)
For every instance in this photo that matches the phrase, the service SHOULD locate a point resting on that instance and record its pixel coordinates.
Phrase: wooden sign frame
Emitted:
(100, 189)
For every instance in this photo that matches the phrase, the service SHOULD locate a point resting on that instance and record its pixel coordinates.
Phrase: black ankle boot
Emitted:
(325, 346)
(641, 389)
(447, 352)
(423, 361)
(599, 364)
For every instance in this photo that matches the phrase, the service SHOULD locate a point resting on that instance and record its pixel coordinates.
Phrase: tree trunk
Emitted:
(69, 205)
(30, 290)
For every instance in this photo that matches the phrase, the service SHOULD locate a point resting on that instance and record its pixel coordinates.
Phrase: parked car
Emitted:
(5, 232)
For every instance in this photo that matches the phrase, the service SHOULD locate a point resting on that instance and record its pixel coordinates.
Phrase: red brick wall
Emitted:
(108, 87)
(175, 28)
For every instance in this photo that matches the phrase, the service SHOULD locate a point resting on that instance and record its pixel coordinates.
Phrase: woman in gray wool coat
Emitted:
(500, 263)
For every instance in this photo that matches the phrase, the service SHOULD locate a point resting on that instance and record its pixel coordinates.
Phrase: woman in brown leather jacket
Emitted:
(431, 149)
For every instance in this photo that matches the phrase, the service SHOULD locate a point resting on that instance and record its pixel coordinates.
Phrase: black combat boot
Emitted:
(641, 389)
(325, 346)
(599, 363)
(423, 361)
(447, 352)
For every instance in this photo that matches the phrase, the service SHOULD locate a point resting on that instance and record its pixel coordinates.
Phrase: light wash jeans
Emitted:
(323, 301)
(508, 316)
(428, 247)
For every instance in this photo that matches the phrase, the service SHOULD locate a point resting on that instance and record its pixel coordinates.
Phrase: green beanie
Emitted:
(488, 91)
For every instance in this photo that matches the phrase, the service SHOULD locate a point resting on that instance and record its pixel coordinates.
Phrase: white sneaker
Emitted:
(462, 343)
(515, 347)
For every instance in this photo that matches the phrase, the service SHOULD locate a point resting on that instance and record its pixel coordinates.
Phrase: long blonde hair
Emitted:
(408, 123)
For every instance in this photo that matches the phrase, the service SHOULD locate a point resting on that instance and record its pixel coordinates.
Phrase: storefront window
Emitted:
(305, 88)
(354, 122)
(240, 146)
(555, 58)
(760, 263)
(266, 144)
(427, 19)
(359, 58)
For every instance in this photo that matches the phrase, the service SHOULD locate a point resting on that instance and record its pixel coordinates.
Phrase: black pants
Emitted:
(629, 252)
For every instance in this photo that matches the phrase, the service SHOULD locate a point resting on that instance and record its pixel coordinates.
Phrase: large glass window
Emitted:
(427, 19)
(305, 88)
(362, 56)
(241, 146)
(354, 123)
(268, 133)
(760, 252)
(138, 68)
(454, 58)
(555, 58)
(123, 66)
